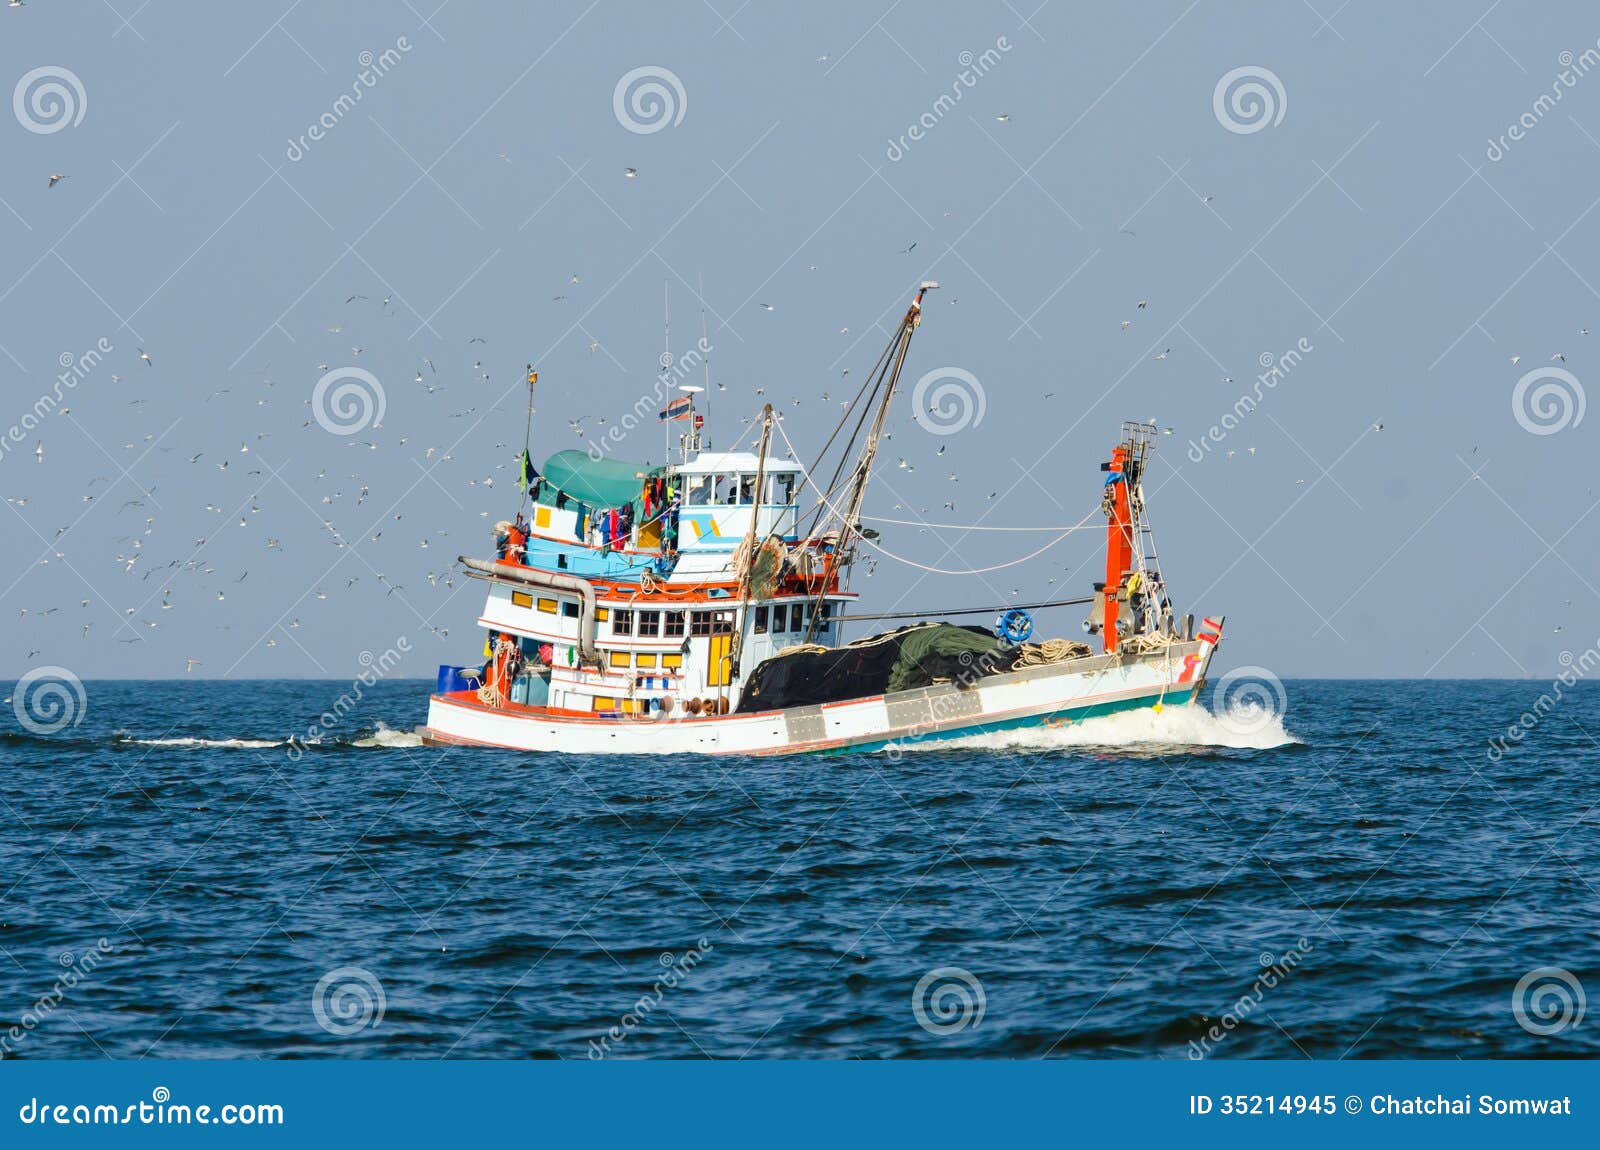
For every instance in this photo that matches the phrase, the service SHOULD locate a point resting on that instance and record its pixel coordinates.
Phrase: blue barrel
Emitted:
(453, 679)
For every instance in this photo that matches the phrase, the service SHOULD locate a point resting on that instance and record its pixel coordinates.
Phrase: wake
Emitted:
(1246, 727)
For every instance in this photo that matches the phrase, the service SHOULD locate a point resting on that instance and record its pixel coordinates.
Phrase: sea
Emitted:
(1373, 869)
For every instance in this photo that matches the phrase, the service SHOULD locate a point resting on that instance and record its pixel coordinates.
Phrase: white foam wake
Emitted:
(1191, 725)
(389, 738)
(189, 741)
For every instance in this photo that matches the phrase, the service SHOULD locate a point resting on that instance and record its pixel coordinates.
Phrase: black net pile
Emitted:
(901, 660)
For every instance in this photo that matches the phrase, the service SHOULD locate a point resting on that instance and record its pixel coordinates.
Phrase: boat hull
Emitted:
(1048, 694)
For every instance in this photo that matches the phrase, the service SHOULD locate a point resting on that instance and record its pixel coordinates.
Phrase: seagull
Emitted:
(768, 307)
(191, 664)
(1515, 359)
(38, 452)
(55, 177)
(1144, 303)
(1002, 118)
(1558, 356)
(146, 357)
(909, 250)
(631, 173)
(1378, 426)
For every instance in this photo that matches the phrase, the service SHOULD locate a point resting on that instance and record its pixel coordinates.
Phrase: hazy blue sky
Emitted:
(1364, 220)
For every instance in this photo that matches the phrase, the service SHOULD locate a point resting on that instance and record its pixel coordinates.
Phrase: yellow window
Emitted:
(645, 661)
(541, 517)
(601, 614)
(619, 658)
(548, 606)
(521, 599)
(673, 660)
(605, 704)
(630, 706)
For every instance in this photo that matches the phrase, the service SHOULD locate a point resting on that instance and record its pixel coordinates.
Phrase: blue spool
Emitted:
(1015, 625)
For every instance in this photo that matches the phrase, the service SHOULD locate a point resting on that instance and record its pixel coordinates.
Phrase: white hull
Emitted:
(1032, 696)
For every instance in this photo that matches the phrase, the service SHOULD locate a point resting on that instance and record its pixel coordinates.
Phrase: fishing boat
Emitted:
(700, 607)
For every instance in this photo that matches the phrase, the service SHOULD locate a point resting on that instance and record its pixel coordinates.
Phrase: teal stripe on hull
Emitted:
(1071, 714)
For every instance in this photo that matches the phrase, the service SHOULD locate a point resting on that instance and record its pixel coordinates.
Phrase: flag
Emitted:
(679, 408)
(526, 467)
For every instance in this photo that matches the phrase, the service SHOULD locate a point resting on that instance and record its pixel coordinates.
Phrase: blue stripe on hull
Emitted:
(1175, 698)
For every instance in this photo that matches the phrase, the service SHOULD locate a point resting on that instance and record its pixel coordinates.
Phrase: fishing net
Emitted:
(900, 660)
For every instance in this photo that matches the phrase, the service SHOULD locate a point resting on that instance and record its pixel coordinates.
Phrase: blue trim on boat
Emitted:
(1176, 698)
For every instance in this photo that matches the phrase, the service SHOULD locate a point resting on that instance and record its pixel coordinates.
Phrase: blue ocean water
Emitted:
(1360, 877)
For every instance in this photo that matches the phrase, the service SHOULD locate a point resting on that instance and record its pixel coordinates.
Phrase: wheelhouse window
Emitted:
(784, 489)
(780, 619)
(649, 624)
(700, 490)
(710, 622)
(622, 622)
(824, 618)
(761, 621)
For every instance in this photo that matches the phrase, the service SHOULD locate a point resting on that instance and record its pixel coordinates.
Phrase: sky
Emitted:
(1310, 227)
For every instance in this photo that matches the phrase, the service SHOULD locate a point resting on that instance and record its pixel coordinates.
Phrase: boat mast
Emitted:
(527, 439)
(749, 547)
(705, 353)
(666, 359)
(850, 528)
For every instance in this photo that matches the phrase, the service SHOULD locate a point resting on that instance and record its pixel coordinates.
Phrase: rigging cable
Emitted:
(941, 571)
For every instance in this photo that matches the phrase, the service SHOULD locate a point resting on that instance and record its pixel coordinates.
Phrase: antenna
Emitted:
(666, 355)
(705, 351)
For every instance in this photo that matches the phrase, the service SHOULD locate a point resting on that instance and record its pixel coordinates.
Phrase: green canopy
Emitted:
(597, 482)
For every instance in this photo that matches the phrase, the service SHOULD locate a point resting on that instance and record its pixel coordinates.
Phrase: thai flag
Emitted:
(677, 408)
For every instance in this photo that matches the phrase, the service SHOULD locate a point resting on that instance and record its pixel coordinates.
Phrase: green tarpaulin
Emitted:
(599, 483)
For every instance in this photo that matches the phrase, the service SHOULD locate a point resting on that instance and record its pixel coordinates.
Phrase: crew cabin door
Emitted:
(721, 660)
